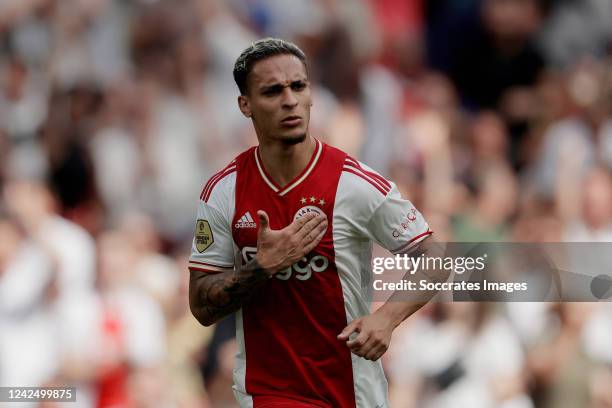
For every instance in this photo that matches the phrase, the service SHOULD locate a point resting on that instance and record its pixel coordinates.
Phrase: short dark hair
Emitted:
(259, 50)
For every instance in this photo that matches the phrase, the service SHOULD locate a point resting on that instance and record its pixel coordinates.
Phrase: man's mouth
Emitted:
(291, 121)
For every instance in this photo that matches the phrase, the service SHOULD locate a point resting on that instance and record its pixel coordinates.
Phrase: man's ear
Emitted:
(244, 106)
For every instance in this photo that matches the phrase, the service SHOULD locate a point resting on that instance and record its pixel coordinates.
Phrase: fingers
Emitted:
(361, 345)
(314, 227)
(312, 245)
(302, 225)
(264, 221)
(375, 353)
(308, 226)
(353, 327)
(306, 232)
(297, 225)
(317, 221)
(312, 239)
(367, 344)
(358, 342)
(278, 249)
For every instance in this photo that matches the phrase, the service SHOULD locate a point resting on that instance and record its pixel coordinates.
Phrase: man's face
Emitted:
(278, 99)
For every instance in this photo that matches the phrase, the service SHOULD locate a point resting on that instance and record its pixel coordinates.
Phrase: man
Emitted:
(301, 216)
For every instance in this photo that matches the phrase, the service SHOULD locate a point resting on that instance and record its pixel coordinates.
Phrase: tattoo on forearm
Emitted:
(221, 294)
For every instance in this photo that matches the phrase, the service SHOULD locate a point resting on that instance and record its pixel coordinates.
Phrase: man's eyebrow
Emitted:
(275, 85)
(271, 86)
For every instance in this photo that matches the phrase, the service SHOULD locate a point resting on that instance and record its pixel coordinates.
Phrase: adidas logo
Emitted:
(246, 221)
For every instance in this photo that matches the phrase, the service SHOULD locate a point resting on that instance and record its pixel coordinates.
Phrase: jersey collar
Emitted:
(298, 179)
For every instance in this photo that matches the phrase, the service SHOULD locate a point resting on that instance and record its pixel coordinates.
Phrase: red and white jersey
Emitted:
(288, 351)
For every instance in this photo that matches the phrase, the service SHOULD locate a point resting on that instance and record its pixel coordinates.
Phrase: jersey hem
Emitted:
(191, 268)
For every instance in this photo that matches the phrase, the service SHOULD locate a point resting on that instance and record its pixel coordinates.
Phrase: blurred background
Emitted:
(493, 116)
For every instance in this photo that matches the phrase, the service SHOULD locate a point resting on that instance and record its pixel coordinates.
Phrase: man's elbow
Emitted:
(201, 315)
(203, 318)
(206, 322)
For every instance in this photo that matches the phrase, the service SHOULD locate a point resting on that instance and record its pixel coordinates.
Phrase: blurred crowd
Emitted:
(493, 116)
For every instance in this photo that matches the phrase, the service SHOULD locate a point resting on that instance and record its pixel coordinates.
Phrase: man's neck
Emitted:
(284, 162)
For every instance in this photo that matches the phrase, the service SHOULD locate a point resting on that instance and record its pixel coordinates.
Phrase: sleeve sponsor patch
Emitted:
(203, 235)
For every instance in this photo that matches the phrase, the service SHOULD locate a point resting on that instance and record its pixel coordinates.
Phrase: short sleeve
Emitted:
(212, 248)
(397, 225)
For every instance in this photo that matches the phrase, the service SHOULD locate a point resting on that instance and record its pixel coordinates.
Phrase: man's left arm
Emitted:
(374, 330)
(398, 226)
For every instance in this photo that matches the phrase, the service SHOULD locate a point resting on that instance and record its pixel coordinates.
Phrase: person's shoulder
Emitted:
(357, 176)
(222, 183)
(221, 180)
(244, 157)
(226, 177)
(362, 180)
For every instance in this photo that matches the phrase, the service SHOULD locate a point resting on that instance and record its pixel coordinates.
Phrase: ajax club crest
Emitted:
(309, 208)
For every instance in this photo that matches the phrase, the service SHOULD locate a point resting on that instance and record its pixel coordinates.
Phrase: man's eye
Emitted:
(271, 91)
(298, 86)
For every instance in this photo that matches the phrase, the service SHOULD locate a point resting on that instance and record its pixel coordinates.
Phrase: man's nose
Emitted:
(289, 100)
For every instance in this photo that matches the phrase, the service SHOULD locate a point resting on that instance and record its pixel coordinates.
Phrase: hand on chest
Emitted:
(282, 211)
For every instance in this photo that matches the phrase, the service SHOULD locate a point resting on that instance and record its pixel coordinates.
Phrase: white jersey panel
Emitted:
(362, 214)
(213, 245)
(355, 199)
(244, 399)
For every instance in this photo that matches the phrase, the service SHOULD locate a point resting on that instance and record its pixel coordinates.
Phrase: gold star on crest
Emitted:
(313, 199)
(303, 200)
(321, 202)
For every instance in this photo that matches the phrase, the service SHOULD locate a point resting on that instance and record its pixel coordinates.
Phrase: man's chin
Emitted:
(290, 140)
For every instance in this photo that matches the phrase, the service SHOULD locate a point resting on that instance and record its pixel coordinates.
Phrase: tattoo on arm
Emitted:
(214, 296)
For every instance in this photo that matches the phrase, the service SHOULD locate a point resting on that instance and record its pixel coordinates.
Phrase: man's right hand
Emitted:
(279, 249)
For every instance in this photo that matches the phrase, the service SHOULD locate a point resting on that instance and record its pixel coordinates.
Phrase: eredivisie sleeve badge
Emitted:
(203, 235)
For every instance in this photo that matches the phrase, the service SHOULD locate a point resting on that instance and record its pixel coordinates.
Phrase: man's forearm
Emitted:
(213, 296)
(397, 309)
(397, 312)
